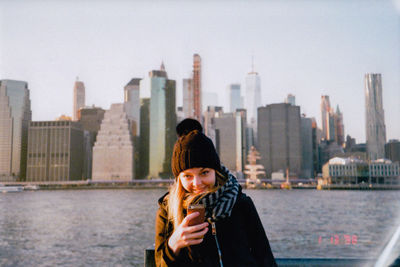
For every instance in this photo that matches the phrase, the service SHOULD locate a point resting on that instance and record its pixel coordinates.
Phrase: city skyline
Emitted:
(307, 49)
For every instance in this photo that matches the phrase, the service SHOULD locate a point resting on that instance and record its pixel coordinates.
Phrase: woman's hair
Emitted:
(179, 199)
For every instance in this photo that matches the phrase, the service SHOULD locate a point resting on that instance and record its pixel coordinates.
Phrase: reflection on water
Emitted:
(113, 227)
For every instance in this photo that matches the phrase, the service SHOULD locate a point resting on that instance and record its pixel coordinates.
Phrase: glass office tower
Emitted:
(15, 115)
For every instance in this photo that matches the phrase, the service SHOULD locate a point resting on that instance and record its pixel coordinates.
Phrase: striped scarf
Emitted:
(219, 204)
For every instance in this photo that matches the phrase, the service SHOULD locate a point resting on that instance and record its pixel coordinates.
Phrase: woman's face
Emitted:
(197, 180)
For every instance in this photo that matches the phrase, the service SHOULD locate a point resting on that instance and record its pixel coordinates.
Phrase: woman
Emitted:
(232, 234)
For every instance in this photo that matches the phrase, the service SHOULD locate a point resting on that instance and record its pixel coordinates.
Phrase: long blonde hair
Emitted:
(179, 199)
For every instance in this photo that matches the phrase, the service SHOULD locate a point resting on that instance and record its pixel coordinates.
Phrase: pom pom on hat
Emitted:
(188, 125)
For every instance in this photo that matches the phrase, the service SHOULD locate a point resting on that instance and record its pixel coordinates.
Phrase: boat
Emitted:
(11, 189)
(31, 187)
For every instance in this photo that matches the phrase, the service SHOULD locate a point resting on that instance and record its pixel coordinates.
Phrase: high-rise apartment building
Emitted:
(79, 98)
(197, 90)
(162, 116)
(279, 138)
(15, 115)
(235, 98)
(252, 98)
(113, 151)
(55, 151)
(375, 117)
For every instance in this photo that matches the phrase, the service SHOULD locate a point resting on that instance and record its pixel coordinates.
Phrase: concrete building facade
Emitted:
(55, 151)
(15, 115)
(279, 141)
(113, 150)
(375, 117)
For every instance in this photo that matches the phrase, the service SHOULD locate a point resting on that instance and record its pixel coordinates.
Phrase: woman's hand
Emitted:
(185, 235)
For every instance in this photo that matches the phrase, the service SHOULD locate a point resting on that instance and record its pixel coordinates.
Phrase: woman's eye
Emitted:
(205, 172)
(187, 176)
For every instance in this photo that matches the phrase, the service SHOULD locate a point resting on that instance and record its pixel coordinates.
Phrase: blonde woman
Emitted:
(232, 233)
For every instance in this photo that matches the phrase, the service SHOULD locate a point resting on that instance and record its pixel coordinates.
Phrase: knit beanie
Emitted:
(194, 150)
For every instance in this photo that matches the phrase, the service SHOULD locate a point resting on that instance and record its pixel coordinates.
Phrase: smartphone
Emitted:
(199, 219)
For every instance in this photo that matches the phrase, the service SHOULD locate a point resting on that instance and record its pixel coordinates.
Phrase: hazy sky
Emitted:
(306, 48)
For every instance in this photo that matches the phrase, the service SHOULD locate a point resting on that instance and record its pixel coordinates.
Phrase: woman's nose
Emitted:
(196, 180)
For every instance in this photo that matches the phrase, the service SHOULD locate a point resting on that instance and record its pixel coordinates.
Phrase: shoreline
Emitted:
(164, 184)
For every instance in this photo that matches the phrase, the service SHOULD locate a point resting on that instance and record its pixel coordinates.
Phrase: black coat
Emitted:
(241, 238)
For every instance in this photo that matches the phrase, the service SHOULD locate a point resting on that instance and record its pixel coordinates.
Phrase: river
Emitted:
(113, 227)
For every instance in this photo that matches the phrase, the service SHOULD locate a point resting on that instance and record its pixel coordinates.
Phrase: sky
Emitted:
(306, 48)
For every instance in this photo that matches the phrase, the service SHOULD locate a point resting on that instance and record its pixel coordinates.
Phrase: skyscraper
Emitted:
(90, 119)
(339, 127)
(290, 99)
(375, 117)
(306, 147)
(252, 98)
(132, 104)
(279, 138)
(113, 150)
(235, 98)
(144, 145)
(15, 115)
(79, 98)
(230, 130)
(188, 98)
(210, 114)
(162, 134)
(392, 150)
(55, 151)
(327, 119)
(197, 90)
